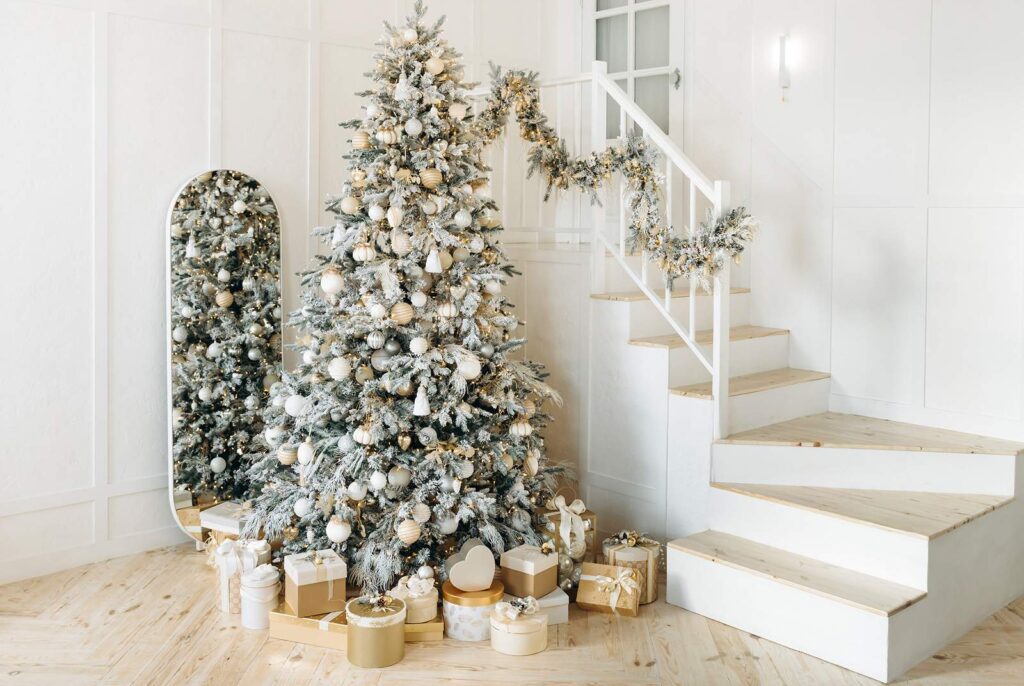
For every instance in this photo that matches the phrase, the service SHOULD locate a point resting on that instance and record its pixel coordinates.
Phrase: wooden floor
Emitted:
(149, 619)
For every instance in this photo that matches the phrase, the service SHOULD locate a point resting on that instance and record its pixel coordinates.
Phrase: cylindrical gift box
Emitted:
(526, 635)
(259, 592)
(253, 554)
(467, 614)
(375, 636)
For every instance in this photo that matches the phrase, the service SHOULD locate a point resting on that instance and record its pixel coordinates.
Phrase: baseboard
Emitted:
(59, 560)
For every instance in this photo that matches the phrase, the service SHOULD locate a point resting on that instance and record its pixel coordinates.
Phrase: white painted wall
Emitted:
(889, 186)
(108, 106)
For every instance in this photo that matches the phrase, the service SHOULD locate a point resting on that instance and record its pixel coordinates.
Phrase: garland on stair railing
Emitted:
(700, 254)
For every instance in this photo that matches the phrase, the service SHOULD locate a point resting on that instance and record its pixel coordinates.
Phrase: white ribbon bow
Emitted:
(412, 587)
(625, 582)
(570, 523)
(511, 611)
(262, 574)
(227, 559)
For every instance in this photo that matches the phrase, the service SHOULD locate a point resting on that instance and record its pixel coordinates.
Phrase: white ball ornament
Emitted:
(273, 435)
(463, 218)
(418, 345)
(295, 405)
(428, 207)
(187, 311)
(418, 299)
(421, 512)
(458, 111)
(308, 357)
(180, 334)
(376, 212)
(425, 572)
(400, 243)
(302, 507)
(376, 339)
(476, 244)
(214, 350)
(218, 465)
(346, 444)
(305, 452)
(378, 480)
(378, 311)
(395, 215)
(493, 287)
(356, 490)
(332, 282)
(408, 531)
(434, 66)
(350, 204)
(372, 110)
(460, 254)
(223, 276)
(339, 368)
(205, 393)
(399, 477)
(409, 35)
(447, 525)
(238, 207)
(414, 127)
(338, 530)
(469, 367)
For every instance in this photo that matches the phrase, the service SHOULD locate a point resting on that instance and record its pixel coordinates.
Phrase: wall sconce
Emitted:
(783, 66)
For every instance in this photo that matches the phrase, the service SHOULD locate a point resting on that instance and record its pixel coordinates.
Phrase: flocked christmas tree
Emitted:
(408, 427)
(225, 312)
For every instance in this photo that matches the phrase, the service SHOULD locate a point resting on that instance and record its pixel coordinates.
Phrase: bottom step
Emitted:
(836, 614)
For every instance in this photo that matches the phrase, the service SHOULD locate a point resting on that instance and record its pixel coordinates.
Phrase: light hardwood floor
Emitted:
(149, 619)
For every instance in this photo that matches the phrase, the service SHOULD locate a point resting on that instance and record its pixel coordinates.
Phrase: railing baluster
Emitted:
(693, 306)
(668, 192)
(720, 345)
(598, 123)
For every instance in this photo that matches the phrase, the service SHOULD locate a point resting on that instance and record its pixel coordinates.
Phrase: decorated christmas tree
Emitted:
(409, 425)
(225, 309)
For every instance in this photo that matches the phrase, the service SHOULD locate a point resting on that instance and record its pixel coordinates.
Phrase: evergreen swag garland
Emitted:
(700, 255)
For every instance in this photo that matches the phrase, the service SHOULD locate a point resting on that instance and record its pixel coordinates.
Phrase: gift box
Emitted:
(528, 571)
(224, 518)
(315, 582)
(232, 559)
(555, 605)
(376, 631)
(325, 631)
(606, 588)
(190, 519)
(636, 551)
(467, 614)
(573, 527)
(329, 630)
(420, 596)
(518, 628)
(260, 588)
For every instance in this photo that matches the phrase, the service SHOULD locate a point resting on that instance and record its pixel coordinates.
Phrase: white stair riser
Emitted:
(898, 557)
(847, 636)
(893, 470)
(645, 320)
(616, 279)
(746, 356)
(753, 410)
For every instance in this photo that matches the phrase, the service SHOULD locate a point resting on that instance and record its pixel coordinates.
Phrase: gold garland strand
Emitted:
(701, 254)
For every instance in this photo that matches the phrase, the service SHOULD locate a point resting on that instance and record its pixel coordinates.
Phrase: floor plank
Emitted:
(836, 430)
(927, 515)
(176, 635)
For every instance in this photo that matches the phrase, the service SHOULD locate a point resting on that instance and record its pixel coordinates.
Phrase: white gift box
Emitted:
(227, 517)
(258, 593)
(525, 635)
(555, 605)
(315, 582)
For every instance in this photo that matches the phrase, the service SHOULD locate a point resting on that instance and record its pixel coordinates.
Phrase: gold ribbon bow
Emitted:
(625, 582)
(570, 523)
(512, 610)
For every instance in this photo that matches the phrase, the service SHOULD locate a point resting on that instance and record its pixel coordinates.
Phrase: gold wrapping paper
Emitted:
(189, 517)
(325, 631)
(589, 530)
(488, 596)
(591, 597)
(642, 557)
(522, 584)
(375, 639)
(425, 632)
(315, 599)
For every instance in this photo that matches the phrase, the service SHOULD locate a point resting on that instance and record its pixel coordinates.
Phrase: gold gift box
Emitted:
(328, 631)
(643, 557)
(189, 517)
(589, 518)
(591, 597)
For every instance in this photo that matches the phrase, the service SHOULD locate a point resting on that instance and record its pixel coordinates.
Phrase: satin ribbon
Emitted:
(570, 522)
(412, 587)
(512, 610)
(324, 624)
(625, 582)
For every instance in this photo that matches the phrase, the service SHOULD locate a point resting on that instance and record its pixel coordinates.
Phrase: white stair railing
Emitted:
(698, 186)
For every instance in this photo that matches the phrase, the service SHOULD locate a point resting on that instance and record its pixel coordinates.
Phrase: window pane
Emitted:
(610, 4)
(651, 93)
(612, 124)
(611, 42)
(652, 38)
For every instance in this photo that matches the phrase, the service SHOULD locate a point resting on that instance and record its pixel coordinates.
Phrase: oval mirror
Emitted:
(224, 336)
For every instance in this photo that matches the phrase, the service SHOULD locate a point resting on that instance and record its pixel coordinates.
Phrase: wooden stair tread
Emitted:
(736, 333)
(634, 296)
(926, 515)
(869, 593)
(754, 383)
(836, 430)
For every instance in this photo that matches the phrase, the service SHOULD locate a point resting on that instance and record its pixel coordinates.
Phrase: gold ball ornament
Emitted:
(290, 533)
(401, 313)
(408, 531)
(421, 512)
(430, 178)
(404, 441)
(434, 66)
(403, 175)
(406, 389)
(529, 407)
(350, 204)
(287, 454)
(361, 140)
(506, 460)
(224, 299)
